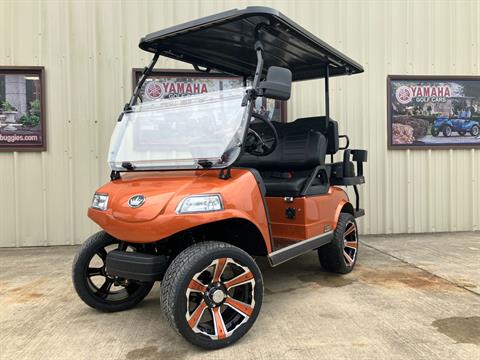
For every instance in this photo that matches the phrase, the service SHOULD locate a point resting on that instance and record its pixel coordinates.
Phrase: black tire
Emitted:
(434, 131)
(104, 298)
(475, 130)
(333, 257)
(177, 297)
(461, 133)
(447, 131)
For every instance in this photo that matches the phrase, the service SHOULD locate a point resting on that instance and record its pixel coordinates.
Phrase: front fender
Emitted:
(240, 194)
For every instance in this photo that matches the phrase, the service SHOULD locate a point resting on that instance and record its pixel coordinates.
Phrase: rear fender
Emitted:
(344, 206)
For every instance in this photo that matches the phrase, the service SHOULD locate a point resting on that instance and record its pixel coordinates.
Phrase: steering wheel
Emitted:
(257, 144)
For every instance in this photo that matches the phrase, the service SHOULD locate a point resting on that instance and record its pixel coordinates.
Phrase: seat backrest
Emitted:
(296, 150)
(319, 123)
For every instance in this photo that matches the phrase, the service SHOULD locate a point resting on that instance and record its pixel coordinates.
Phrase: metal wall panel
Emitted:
(88, 49)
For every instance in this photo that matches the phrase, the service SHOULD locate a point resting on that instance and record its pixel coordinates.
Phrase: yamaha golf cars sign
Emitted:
(423, 93)
(156, 89)
(433, 112)
(168, 84)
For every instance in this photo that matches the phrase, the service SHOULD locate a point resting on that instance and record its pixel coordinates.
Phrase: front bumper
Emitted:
(136, 266)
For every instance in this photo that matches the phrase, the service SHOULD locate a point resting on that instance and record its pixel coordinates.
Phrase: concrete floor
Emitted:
(410, 297)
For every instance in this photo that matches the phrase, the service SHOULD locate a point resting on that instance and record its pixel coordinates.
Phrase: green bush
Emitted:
(30, 120)
(35, 107)
(6, 106)
(33, 117)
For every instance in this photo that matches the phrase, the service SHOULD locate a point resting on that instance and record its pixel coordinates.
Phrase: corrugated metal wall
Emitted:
(89, 47)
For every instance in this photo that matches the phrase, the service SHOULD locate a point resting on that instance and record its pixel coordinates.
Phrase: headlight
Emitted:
(100, 201)
(200, 203)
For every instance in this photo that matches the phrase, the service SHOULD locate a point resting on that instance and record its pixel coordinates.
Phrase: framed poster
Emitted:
(22, 108)
(431, 112)
(163, 84)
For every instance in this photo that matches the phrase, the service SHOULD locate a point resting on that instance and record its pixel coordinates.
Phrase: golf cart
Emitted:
(201, 185)
(461, 125)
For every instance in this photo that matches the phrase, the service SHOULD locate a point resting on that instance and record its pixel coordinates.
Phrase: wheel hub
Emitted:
(216, 294)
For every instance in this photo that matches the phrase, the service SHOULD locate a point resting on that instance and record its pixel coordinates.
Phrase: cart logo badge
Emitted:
(136, 201)
(404, 94)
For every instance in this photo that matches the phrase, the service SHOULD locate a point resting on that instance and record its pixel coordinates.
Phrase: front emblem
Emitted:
(136, 201)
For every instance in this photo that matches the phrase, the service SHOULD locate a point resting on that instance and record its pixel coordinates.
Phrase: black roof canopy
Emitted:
(225, 42)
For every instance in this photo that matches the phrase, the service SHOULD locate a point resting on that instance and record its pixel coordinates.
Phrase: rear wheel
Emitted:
(211, 294)
(341, 254)
(447, 131)
(434, 131)
(93, 283)
(475, 130)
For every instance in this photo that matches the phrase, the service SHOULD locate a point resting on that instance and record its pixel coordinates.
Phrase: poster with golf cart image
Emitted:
(22, 109)
(433, 112)
(167, 84)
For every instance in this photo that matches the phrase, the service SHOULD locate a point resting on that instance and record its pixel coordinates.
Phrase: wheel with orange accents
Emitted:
(341, 254)
(211, 294)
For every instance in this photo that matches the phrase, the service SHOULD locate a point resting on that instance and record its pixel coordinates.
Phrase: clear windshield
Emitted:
(190, 132)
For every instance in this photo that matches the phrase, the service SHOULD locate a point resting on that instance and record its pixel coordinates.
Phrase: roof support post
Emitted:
(146, 71)
(250, 96)
(327, 95)
(327, 100)
(259, 69)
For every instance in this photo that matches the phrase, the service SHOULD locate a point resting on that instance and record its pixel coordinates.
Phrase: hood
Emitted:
(157, 189)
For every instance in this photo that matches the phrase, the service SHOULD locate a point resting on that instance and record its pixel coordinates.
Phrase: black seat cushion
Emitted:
(286, 183)
(284, 187)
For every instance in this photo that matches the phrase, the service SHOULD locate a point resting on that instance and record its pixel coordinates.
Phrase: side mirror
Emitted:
(278, 84)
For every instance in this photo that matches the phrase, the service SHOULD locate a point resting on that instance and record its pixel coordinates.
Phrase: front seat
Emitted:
(286, 170)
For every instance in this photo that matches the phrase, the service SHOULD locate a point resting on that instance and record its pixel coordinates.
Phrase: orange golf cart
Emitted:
(201, 185)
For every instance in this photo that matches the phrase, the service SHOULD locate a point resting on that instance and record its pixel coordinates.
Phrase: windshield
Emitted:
(200, 131)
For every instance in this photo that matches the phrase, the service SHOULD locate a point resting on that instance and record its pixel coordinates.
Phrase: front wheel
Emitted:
(211, 294)
(434, 131)
(341, 254)
(93, 283)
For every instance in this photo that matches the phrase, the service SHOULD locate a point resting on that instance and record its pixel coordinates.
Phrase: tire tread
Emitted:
(331, 255)
(178, 273)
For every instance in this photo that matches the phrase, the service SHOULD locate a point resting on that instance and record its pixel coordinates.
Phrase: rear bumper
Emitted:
(136, 266)
(358, 213)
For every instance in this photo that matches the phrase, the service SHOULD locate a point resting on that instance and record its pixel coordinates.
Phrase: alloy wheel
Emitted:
(220, 298)
(350, 243)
